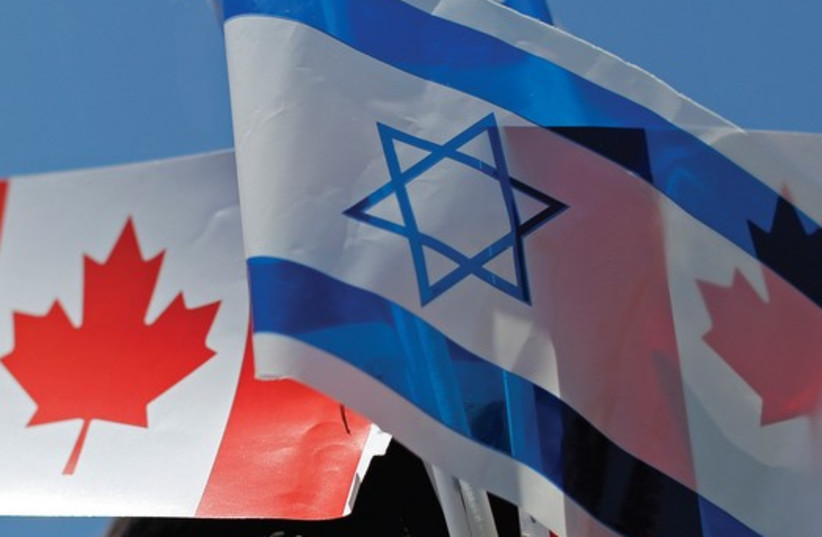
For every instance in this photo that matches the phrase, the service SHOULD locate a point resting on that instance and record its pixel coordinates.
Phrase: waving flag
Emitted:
(517, 254)
(126, 382)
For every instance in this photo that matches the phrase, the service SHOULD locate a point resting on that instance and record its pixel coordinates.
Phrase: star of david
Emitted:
(466, 265)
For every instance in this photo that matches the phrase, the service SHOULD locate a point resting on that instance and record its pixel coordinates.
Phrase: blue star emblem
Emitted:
(475, 264)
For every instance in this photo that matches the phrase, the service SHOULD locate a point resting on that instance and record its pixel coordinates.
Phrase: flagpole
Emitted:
(478, 509)
(466, 509)
(450, 501)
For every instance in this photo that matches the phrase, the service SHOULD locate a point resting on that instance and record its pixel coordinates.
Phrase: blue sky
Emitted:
(754, 62)
(96, 82)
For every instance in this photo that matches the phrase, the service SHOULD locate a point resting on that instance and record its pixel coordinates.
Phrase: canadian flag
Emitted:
(126, 376)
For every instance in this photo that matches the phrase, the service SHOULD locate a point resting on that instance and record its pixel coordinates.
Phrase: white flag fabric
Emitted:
(534, 264)
(126, 383)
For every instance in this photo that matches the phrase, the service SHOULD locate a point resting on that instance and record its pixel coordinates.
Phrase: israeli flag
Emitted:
(539, 267)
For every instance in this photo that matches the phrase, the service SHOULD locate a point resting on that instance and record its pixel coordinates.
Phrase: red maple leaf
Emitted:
(113, 364)
(774, 345)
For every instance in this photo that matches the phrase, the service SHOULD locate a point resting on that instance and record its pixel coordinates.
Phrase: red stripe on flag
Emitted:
(287, 452)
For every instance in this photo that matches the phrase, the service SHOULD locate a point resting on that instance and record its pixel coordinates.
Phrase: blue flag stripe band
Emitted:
(476, 398)
(533, 8)
(692, 174)
(453, 55)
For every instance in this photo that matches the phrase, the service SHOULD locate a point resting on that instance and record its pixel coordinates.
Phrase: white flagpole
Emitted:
(466, 509)
(448, 493)
(478, 508)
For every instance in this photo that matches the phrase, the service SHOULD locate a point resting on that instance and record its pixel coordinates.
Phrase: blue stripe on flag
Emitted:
(460, 57)
(478, 399)
(533, 8)
(692, 174)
